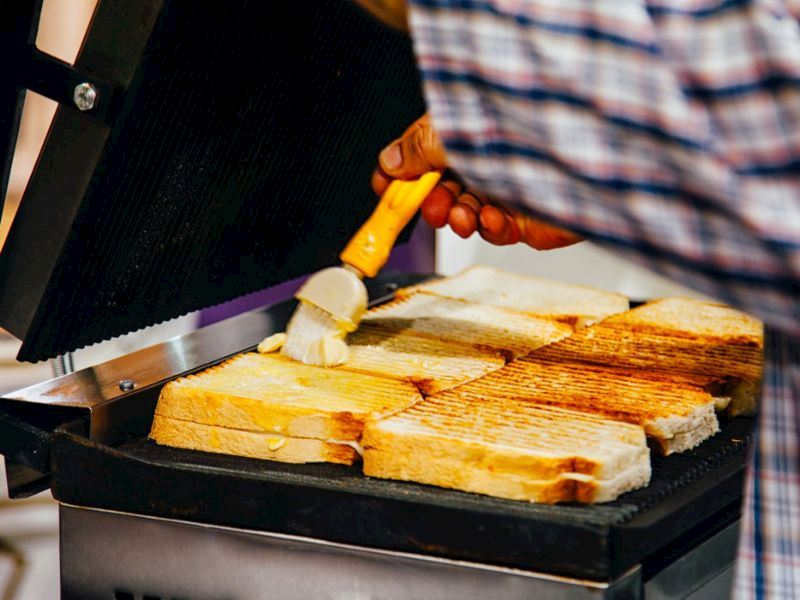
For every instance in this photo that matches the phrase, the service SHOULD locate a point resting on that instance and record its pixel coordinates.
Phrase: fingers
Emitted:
(499, 225)
(415, 153)
(494, 225)
(463, 219)
(419, 151)
(466, 212)
(543, 236)
(436, 207)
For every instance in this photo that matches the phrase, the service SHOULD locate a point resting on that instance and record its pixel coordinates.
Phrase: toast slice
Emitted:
(510, 333)
(432, 365)
(695, 319)
(573, 304)
(681, 338)
(676, 415)
(267, 393)
(252, 444)
(515, 450)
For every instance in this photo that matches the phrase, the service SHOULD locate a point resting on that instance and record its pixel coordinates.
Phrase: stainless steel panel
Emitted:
(705, 572)
(97, 390)
(105, 552)
(718, 588)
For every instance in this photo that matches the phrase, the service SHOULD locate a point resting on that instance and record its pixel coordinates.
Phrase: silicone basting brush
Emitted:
(332, 301)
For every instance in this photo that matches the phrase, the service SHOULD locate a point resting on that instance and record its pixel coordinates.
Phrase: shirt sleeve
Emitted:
(668, 131)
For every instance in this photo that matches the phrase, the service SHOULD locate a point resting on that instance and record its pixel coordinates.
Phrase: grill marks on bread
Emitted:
(661, 406)
(564, 421)
(685, 317)
(603, 345)
(431, 364)
(511, 450)
(499, 330)
(714, 346)
(576, 305)
(270, 395)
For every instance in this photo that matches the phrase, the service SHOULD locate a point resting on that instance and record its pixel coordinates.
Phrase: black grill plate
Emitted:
(692, 491)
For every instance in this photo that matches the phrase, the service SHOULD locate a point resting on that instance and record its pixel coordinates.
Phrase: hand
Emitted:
(418, 151)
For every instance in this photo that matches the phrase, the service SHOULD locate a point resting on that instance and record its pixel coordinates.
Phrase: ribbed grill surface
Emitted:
(241, 159)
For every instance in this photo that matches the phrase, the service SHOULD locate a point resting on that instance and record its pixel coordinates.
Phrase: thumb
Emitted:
(418, 151)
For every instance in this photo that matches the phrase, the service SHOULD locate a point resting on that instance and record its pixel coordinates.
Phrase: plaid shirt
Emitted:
(669, 131)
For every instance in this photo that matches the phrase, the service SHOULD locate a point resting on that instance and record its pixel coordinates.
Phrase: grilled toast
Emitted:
(680, 338)
(508, 449)
(270, 394)
(695, 319)
(500, 330)
(573, 304)
(431, 364)
(676, 415)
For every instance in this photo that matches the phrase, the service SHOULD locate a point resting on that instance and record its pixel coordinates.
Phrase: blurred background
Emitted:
(29, 528)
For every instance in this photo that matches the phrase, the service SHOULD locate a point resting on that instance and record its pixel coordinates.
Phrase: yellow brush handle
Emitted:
(370, 247)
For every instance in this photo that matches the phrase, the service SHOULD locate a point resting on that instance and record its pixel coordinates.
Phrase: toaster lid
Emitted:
(197, 155)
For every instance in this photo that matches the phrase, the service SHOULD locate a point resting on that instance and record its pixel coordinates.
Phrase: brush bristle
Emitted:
(314, 337)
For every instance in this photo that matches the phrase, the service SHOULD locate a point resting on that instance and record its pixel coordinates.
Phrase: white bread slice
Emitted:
(737, 337)
(573, 304)
(273, 394)
(430, 364)
(680, 338)
(687, 317)
(511, 333)
(677, 415)
(514, 450)
(253, 444)
(687, 439)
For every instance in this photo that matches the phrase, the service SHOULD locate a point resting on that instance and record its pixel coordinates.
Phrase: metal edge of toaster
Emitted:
(374, 572)
(112, 394)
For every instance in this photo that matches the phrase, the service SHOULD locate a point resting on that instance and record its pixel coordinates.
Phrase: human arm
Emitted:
(618, 121)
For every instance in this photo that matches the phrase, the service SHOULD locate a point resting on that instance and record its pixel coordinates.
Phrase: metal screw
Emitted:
(126, 385)
(85, 96)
